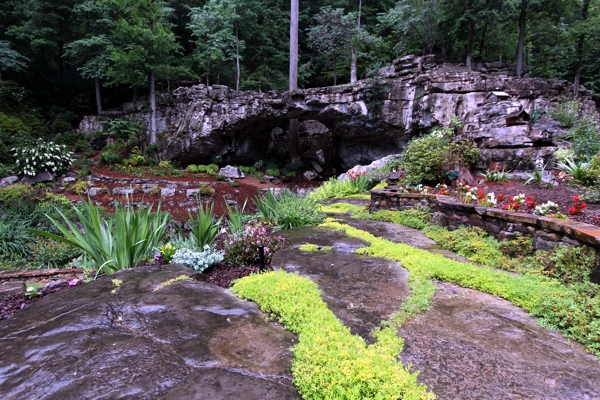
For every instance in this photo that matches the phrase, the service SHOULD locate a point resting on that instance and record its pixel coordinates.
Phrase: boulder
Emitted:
(231, 172)
(9, 180)
(40, 177)
(150, 337)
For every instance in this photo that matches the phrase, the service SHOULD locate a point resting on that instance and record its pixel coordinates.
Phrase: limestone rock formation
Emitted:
(347, 125)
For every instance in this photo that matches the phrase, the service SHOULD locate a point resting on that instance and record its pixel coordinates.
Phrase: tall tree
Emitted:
(143, 47)
(294, 16)
(10, 59)
(354, 65)
(332, 34)
(215, 27)
(585, 6)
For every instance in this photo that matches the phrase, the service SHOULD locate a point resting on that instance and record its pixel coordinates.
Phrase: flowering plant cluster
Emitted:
(442, 189)
(486, 200)
(242, 249)
(578, 206)
(546, 208)
(530, 202)
(167, 251)
(515, 202)
(197, 260)
(422, 189)
(43, 156)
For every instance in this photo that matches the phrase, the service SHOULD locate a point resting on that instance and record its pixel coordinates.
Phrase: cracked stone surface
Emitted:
(186, 340)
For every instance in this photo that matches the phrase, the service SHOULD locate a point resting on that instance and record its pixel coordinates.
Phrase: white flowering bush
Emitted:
(43, 156)
(197, 260)
(546, 208)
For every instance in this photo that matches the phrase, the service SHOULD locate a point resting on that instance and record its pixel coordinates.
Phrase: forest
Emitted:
(66, 58)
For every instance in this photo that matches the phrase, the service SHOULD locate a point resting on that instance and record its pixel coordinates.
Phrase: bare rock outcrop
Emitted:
(355, 124)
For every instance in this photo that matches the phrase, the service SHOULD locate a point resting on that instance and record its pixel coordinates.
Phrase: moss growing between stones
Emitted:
(330, 362)
(567, 308)
(342, 208)
(314, 247)
(172, 281)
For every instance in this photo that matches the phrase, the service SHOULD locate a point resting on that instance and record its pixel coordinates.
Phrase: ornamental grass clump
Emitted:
(43, 156)
(119, 241)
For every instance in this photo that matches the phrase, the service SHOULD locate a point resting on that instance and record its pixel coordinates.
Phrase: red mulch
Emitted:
(11, 303)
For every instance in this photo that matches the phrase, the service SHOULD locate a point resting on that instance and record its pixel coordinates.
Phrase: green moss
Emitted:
(172, 281)
(330, 362)
(342, 208)
(418, 217)
(313, 247)
(573, 309)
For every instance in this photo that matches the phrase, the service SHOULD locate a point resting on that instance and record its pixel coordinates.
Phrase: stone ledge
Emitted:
(39, 273)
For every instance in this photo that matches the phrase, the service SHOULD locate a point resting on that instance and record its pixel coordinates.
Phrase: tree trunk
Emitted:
(98, 98)
(482, 40)
(354, 64)
(521, 44)
(294, 152)
(580, 43)
(334, 71)
(153, 111)
(470, 45)
(237, 56)
(207, 71)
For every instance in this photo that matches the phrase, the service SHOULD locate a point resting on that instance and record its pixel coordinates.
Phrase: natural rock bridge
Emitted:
(351, 124)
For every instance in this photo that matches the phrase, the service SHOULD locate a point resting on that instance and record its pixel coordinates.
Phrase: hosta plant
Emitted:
(43, 156)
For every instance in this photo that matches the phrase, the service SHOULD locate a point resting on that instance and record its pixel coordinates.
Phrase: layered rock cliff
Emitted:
(354, 124)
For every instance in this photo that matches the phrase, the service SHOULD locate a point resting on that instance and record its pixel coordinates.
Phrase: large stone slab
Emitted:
(186, 340)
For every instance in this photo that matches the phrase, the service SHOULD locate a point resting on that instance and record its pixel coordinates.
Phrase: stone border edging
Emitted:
(41, 275)
(502, 224)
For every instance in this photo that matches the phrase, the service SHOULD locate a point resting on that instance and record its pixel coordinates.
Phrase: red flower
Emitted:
(501, 197)
(505, 207)
(573, 210)
(583, 205)
(576, 198)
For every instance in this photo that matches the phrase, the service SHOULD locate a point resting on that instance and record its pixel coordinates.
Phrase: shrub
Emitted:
(5, 170)
(165, 165)
(208, 169)
(242, 248)
(566, 263)
(192, 168)
(80, 187)
(585, 139)
(272, 172)
(470, 242)
(288, 210)
(423, 158)
(13, 132)
(125, 130)
(418, 217)
(248, 170)
(60, 125)
(197, 260)
(579, 171)
(565, 112)
(206, 190)
(12, 193)
(135, 157)
(109, 158)
(52, 254)
(43, 156)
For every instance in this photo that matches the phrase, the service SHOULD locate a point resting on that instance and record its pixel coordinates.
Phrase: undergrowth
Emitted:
(329, 362)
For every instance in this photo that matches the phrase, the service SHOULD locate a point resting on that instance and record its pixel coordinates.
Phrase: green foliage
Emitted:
(48, 253)
(343, 208)
(496, 176)
(585, 139)
(580, 171)
(347, 367)
(206, 190)
(341, 188)
(566, 112)
(566, 263)
(470, 242)
(192, 168)
(235, 218)
(60, 125)
(109, 158)
(242, 248)
(5, 170)
(423, 158)
(537, 177)
(273, 172)
(266, 205)
(288, 210)
(521, 246)
(13, 132)
(207, 169)
(120, 241)
(418, 217)
(125, 130)
(573, 309)
(203, 226)
(135, 157)
(43, 156)
(12, 193)
(313, 247)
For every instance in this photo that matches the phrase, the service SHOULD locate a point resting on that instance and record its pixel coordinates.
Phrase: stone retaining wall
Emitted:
(503, 225)
(41, 275)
